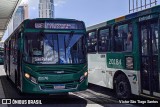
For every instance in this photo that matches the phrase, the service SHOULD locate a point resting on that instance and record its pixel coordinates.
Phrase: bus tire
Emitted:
(123, 89)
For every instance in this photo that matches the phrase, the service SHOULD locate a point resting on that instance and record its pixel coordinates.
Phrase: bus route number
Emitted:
(115, 61)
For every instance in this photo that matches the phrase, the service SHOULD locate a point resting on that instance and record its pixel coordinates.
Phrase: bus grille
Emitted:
(70, 86)
(57, 72)
(51, 86)
(47, 87)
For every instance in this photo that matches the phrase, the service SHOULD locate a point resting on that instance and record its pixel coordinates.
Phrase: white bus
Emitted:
(124, 54)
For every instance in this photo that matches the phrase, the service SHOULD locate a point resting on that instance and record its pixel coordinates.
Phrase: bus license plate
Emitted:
(59, 86)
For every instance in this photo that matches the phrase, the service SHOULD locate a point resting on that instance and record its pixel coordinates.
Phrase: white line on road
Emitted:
(2, 72)
(89, 102)
(109, 98)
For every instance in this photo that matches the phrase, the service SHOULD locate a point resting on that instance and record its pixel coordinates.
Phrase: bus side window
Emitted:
(92, 42)
(104, 40)
(128, 43)
(123, 38)
(12, 45)
(155, 40)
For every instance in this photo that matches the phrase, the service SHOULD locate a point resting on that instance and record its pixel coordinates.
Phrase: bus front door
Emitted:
(150, 80)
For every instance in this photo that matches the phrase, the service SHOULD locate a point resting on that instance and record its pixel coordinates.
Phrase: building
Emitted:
(20, 15)
(46, 9)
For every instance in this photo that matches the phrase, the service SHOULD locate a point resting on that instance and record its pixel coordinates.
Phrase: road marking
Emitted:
(2, 72)
(99, 94)
(110, 99)
(92, 104)
(103, 96)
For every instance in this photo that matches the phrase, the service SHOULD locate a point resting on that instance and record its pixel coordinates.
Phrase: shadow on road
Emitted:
(111, 95)
(103, 90)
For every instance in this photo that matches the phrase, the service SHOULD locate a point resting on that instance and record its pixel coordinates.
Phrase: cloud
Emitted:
(59, 2)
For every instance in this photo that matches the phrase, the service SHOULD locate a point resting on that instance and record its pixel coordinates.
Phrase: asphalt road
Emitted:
(94, 96)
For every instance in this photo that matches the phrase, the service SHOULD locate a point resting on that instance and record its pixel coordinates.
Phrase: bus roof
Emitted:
(56, 19)
(155, 9)
(103, 24)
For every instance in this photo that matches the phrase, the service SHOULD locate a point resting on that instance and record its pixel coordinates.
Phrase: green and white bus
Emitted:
(124, 54)
(47, 56)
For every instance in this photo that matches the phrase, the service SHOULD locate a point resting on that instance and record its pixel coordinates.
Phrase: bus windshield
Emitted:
(50, 48)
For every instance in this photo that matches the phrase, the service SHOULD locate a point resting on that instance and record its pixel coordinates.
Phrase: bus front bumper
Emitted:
(54, 88)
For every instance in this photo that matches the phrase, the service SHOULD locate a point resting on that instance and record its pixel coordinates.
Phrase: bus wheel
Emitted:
(123, 89)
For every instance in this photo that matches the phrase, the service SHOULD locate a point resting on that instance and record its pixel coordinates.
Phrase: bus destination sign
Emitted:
(50, 25)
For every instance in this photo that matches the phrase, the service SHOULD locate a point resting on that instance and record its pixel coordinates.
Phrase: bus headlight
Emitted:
(29, 77)
(83, 76)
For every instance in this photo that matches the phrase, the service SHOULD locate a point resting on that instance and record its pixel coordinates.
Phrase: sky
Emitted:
(90, 11)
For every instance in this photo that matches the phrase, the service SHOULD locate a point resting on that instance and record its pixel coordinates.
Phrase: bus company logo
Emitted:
(145, 18)
(42, 78)
(6, 101)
